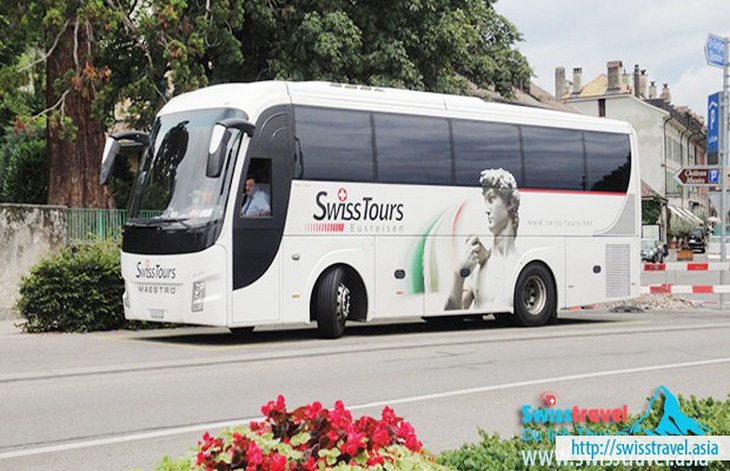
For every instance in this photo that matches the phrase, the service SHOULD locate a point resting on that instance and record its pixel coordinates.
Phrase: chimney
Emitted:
(637, 85)
(652, 90)
(625, 80)
(643, 81)
(577, 80)
(666, 96)
(559, 82)
(614, 76)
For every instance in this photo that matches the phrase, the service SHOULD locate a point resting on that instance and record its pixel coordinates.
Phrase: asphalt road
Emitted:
(119, 400)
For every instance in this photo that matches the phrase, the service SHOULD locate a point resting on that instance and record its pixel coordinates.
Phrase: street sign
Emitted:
(698, 176)
(713, 123)
(715, 51)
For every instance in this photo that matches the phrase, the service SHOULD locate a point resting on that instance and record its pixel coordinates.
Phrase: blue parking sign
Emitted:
(713, 176)
(713, 123)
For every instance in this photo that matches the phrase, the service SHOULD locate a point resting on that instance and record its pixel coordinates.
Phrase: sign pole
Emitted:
(723, 161)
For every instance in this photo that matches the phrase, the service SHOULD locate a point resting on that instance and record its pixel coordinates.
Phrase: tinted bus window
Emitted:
(609, 161)
(335, 145)
(479, 146)
(553, 158)
(412, 150)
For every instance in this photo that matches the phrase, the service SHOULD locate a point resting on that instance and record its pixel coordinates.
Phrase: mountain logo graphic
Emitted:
(673, 421)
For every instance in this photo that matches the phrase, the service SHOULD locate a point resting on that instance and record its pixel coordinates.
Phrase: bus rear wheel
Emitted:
(332, 304)
(535, 301)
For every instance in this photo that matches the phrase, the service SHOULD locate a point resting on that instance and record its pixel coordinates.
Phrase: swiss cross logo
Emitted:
(548, 398)
(342, 194)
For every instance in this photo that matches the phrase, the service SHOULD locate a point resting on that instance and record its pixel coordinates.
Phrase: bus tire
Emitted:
(535, 301)
(332, 303)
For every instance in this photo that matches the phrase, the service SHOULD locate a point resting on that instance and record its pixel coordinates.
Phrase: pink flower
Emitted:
(254, 455)
(381, 437)
(277, 462)
(278, 406)
(312, 411)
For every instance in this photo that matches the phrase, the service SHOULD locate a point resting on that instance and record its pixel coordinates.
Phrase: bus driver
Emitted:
(472, 276)
(257, 202)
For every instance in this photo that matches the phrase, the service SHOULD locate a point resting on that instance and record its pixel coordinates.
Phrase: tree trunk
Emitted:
(74, 162)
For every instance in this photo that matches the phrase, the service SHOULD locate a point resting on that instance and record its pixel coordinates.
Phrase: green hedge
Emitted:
(495, 453)
(78, 290)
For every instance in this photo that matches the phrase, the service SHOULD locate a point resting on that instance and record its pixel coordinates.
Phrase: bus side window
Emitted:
(257, 200)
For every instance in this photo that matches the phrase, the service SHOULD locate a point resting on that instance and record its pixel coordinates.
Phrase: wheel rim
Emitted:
(343, 302)
(534, 295)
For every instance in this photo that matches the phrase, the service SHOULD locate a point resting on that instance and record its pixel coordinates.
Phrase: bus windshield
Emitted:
(172, 186)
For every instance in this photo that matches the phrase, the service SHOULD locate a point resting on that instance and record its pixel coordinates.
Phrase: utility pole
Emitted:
(717, 54)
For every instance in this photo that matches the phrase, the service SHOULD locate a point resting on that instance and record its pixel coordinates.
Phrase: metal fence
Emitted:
(85, 224)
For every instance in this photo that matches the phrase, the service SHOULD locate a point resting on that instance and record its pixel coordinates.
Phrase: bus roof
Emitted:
(254, 97)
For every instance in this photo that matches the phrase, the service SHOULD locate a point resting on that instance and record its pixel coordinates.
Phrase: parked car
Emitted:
(652, 251)
(697, 241)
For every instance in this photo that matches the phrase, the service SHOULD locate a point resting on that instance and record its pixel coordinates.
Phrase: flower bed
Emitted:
(311, 438)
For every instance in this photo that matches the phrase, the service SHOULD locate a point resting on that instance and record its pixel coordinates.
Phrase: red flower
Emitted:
(254, 455)
(354, 444)
(277, 462)
(374, 460)
(381, 437)
(278, 406)
(312, 411)
(389, 416)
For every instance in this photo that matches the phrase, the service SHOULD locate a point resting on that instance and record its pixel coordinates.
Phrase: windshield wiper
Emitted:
(156, 221)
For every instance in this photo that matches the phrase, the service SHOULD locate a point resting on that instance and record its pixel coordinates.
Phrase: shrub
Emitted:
(78, 290)
(310, 438)
(24, 171)
(494, 453)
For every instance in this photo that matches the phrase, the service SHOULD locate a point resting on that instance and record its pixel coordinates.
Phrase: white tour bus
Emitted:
(280, 202)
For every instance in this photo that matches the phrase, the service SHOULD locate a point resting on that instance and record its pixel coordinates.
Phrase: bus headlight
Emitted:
(125, 296)
(198, 296)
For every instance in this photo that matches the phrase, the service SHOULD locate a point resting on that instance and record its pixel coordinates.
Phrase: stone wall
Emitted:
(27, 233)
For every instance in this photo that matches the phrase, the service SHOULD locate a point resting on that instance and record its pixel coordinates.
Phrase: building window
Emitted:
(602, 107)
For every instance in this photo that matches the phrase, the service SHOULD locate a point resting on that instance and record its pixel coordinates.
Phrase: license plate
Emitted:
(157, 313)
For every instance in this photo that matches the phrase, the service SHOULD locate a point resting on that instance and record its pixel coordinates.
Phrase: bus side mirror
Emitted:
(219, 143)
(112, 147)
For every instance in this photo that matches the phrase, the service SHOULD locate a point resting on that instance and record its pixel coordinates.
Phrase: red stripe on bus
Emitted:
(572, 192)
(703, 289)
(698, 266)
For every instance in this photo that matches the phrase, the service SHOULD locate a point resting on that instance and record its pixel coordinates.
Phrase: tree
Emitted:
(432, 45)
(107, 61)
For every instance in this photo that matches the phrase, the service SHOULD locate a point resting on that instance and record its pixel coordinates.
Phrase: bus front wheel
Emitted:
(332, 303)
(535, 301)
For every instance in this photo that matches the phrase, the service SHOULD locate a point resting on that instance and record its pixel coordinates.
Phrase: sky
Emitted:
(665, 37)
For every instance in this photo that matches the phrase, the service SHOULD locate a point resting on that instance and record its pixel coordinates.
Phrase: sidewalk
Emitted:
(7, 327)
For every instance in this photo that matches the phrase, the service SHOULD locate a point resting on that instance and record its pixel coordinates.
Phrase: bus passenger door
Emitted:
(261, 206)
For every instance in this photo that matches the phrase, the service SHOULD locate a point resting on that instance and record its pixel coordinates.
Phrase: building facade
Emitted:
(670, 137)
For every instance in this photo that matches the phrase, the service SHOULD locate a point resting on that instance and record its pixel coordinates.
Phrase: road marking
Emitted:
(390, 402)
(323, 348)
